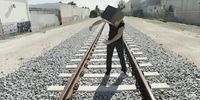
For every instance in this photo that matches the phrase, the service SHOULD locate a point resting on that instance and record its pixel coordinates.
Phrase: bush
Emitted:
(165, 15)
(93, 14)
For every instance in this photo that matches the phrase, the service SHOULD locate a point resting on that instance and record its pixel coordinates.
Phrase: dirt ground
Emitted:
(14, 52)
(183, 42)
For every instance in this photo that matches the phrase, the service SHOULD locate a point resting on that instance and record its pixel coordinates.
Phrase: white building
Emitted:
(14, 16)
(68, 13)
(133, 7)
(187, 11)
(42, 17)
(127, 10)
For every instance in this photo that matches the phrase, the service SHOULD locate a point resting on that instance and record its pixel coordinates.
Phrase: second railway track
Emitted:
(87, 73)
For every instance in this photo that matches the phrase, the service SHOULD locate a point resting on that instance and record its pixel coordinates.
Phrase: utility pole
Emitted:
(1, 29)
(199, 13)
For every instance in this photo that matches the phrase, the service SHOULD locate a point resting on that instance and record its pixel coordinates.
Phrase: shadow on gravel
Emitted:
(108, 92)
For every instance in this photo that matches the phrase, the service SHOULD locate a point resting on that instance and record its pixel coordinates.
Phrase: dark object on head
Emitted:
(112, 14)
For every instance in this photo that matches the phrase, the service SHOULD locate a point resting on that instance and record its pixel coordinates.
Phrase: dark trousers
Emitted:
(120, 50)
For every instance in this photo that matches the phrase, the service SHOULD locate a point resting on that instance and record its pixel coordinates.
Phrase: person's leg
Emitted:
(110, 49)
(120, 51)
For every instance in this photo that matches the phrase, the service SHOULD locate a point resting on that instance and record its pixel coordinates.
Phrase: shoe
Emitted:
(123, 75)
(123, 70)
(107, 73)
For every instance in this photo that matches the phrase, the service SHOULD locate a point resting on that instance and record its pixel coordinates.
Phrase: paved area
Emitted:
(185, 43)
(14, 52)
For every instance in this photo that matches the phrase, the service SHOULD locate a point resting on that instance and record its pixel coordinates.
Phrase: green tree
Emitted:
(121, 4)
(72, 3)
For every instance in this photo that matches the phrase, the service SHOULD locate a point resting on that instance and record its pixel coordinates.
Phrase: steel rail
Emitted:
(72, 85)
(140, 79)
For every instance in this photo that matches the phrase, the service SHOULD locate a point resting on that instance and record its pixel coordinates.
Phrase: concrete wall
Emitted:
(39, 21)
(138, 7)
(14, 16)
(149, 7)
(187, 11)
(71, 13)
(67, 14)
(43, 17)
(149, 11)
(127, 10)
(136, 4)
(132, 5)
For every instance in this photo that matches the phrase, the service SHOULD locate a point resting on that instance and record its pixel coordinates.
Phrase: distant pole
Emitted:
(28, 15)
(1, 29)
(199, 13)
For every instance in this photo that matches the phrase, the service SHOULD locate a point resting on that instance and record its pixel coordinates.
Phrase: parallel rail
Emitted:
(72, 85)
(142, 84)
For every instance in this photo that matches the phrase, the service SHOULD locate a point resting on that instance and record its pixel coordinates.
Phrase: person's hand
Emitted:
(107, 42)
(90, 28)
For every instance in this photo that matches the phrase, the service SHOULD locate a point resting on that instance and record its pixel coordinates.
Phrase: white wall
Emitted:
(185, 10)
(136, 4)
(127, 10)
(68, 10)
(14, 16)
(71, 13)
(9, 14)
(39, 21)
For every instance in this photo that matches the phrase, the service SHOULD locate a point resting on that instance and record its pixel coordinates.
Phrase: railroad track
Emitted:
(88, 68)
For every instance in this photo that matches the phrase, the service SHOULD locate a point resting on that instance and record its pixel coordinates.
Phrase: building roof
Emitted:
(46, 6)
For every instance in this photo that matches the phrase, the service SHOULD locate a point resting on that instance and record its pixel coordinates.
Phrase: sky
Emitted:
(88, 3)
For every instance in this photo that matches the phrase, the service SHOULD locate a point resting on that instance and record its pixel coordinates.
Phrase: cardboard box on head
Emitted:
(112, 14)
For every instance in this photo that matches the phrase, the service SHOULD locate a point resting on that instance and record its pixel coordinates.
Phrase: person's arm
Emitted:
(119, 35)
(96, 23)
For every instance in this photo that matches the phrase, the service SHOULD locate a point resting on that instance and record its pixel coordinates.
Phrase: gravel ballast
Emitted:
(31, 80)
(176, 71)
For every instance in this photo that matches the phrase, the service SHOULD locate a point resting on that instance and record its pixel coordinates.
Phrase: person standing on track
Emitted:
(115, 40)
